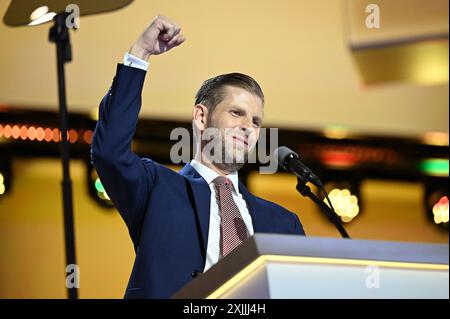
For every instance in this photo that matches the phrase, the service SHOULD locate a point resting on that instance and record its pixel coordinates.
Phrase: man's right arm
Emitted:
(127, 178)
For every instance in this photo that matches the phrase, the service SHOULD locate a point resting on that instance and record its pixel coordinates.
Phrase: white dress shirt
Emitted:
(135, 62)
(213, 249)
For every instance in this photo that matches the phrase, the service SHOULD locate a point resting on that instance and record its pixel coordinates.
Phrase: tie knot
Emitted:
(222, 182)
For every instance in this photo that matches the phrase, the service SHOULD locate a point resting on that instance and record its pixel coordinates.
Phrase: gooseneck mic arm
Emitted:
(289, 160)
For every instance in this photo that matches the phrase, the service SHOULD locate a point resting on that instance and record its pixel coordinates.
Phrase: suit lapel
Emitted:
(202, 197)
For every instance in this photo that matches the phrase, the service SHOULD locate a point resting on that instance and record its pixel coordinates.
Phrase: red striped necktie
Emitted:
(232, 227)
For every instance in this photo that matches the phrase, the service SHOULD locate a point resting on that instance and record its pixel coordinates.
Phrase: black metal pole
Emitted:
(59, 34)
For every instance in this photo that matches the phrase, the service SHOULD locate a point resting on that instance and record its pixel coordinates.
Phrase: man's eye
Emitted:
(236, 113)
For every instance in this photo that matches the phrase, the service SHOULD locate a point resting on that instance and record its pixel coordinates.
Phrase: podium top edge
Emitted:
(393, 251)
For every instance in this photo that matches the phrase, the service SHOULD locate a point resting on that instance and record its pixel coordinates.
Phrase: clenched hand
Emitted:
(159, 37)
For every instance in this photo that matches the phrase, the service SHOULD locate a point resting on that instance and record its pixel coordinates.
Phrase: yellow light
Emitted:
(440, 211)
(435, 138)
(94, 114)
(262, 260)
(335, 132)
(345, 204)
(2, 186)
(38, 13)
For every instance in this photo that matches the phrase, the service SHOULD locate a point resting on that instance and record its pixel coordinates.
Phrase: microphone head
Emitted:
(282, 154)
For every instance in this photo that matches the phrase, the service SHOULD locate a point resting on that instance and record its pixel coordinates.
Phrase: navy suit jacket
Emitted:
(167, 213)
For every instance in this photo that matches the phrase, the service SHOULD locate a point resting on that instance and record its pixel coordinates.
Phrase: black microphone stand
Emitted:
(59, 34)
(305, 190)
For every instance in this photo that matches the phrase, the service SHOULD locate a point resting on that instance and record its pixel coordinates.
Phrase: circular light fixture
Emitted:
(345, 204)
(440, 211)
(45, 18)
(38, 13)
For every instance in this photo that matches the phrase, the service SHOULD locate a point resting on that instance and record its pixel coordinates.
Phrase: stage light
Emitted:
(87, 136)
(345, 204)
(436, 201)
(73, 136)
(43, 19)
(435, 167)
(40, 134)
(100, 189)
(15, 132)
(440, 211)
(336, 132)
(435, 138)
(7, 131)
(55, 132)
(96, 189)
(2, 184)
(48, 134)
(31, 133)
(38, 13)
(23, 132)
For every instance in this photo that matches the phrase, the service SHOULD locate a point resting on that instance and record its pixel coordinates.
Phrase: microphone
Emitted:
(290, 161)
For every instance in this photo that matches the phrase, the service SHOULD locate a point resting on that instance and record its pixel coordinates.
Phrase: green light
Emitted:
(98, 186)
(435, 166)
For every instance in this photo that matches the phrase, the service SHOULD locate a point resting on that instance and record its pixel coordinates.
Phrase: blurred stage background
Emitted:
(367, 109)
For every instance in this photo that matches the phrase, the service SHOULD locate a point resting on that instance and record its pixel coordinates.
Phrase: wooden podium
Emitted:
(287, 266)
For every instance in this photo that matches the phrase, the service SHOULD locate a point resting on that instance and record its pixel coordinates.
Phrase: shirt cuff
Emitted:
(135, 62)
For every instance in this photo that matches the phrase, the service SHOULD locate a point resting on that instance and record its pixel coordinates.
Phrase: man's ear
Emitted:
(199, 116)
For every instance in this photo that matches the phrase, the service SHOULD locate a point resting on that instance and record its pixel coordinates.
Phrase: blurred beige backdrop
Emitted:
(297, 50)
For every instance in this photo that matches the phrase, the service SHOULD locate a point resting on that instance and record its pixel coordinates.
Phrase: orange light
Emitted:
(1, 130)
(87, 136)
(73, 136)
(55, 135)
(23, 132)
(7, 131)
(48, 134)
(31, 133)
(15, 132)
(40, 134)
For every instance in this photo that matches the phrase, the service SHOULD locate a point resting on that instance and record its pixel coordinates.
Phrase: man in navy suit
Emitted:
(182, 223)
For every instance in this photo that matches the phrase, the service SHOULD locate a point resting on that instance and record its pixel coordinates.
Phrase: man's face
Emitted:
(238, 118)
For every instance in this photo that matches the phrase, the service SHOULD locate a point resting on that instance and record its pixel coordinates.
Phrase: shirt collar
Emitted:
(209, 175)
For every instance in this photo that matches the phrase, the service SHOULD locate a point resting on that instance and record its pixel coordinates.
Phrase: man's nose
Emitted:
(247, 124)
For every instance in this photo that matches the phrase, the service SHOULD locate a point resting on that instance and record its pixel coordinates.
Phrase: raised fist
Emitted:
(160, 36)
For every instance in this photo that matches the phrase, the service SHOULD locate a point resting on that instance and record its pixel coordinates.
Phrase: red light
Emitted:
(339, 158)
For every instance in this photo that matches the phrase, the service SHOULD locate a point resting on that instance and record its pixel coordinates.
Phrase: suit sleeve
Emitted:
(126, 177)
(298, 227)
